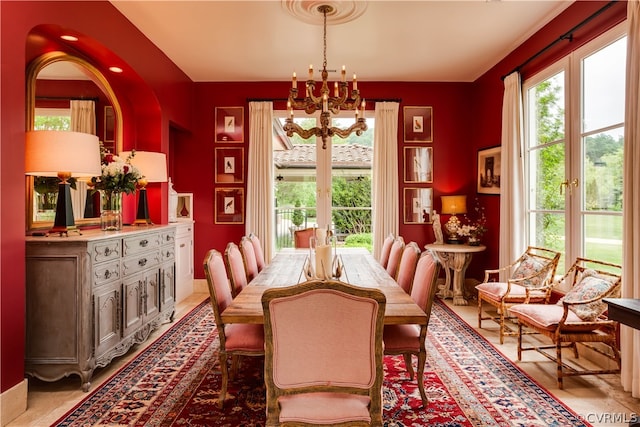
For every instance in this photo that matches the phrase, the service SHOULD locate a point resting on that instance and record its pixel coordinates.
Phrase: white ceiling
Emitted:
(427, 40)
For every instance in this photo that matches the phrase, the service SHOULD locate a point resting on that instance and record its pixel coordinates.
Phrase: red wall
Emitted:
(168, 107)
(149, 81)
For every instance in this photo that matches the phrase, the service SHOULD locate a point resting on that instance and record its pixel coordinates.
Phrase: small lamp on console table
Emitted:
(63, 154)
(153, 167)
(453, 205)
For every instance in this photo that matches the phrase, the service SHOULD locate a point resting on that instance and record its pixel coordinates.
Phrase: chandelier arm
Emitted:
(358, 127)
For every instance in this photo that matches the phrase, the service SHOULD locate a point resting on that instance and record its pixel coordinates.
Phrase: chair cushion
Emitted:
(547, 317)
(530, 266)
(591, 285)
(244, 337)
(497, 290)
(398, 338)
(324, 408)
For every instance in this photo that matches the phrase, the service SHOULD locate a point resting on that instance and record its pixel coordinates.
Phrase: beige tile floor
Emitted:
(600, 400)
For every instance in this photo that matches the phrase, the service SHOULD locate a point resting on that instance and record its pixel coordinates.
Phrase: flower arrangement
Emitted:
(118, 175)
(476, 228)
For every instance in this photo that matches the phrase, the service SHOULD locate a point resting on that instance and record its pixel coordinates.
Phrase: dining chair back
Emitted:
(242, 339)
(257, 248)
(301, 237)
(386, 249)
(409, 340)
(530, 280)
(394, 256)
(407, 266)
(235, 268)
(248, 258)
(313, 362)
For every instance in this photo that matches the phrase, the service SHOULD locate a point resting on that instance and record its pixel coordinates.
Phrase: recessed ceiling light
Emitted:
(69, 38)
(115, 69)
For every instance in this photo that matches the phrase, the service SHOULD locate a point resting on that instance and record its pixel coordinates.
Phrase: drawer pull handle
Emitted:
(144, 243)
(182, 245)
(107, 274)
(142, 262)
(107, 251)
(168, 238)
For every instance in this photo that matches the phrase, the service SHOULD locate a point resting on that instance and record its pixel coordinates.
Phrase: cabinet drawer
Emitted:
(141, 243)
(134, 264)
(183, 230)
(167, 237)
(167, 253)
(107, 272)
(106, 251)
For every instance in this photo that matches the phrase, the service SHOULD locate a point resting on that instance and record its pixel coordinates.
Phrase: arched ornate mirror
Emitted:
(56, 84)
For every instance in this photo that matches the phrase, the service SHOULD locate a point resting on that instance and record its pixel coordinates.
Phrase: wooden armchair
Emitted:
(394, 257)
(579, 317)
(530, 281)
(323, 354)
(249, 258)
(386, 250)
(407, 266)
(236, 270)
(301, 237)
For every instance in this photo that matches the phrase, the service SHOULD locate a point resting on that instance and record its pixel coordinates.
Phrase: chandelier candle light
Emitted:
(327, 104)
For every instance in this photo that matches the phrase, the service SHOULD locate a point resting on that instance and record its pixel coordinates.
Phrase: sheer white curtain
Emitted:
(385, 175)
(259, 215)
(83, 119)
(630, 338)
(512, 214)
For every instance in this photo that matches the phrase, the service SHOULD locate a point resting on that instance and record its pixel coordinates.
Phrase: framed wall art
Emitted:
(489, 161)
(229, 206)
(418, 164)
(418, 204)
(229, 165)
(229, 124)
(418, 124)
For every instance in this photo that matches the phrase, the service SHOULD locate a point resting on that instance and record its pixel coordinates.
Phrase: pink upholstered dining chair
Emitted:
(394, 256)
(248, 258)
(318, 371)
(407, 266)
(409, 339)
(235, 268)
(238, 339)
(386, 249)
(257, 248)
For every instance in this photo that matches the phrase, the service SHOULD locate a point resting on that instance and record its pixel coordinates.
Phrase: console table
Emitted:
(91, 297)
(457, 258)
(624, 310)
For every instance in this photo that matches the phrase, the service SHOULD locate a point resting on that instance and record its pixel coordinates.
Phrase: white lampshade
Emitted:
(48, 152)
(152, 165)
(454, 204)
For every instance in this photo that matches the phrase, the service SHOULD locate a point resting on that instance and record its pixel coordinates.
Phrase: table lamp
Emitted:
(65, 155)
(153, 167)
(453, 205)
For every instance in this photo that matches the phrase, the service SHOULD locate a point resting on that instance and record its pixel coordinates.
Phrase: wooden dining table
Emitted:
(360, 269)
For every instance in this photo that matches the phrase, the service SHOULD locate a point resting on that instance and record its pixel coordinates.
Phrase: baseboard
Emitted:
(13, 402)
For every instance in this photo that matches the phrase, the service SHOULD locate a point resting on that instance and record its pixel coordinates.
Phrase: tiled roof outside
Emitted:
(344, 156)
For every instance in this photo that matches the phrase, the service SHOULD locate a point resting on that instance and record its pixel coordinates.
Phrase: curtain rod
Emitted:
(286, 99)
(566, 36)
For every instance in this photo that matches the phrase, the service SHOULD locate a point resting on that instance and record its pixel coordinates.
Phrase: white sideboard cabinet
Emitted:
(90, 297)
(184, 259)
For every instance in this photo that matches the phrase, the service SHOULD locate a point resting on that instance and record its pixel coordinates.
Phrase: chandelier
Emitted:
(327, 104)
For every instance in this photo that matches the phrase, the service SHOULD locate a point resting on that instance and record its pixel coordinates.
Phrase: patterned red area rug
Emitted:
(176, 381)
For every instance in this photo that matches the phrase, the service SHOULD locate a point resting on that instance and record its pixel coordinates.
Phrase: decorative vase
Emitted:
(111, 213)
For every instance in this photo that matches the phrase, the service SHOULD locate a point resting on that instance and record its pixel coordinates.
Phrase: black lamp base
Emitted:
(64, 222)
(142, 216)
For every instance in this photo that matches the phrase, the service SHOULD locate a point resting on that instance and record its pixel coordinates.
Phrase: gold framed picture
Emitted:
(418, 124)
(229, 165)
(418, 164)
(418, 204)
(229, 124)
(229, 206)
